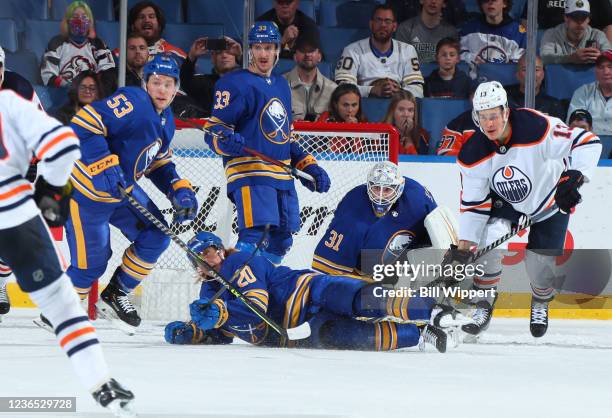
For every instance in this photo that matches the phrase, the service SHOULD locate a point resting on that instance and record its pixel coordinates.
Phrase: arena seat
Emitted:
(230, 13)
(173, 9)
(8, 35)
(306, 6)
(22, 10)
(51, 97)
(203, 65)
(183, 34)
(563, 79)
(504, 73)
(101, 9)
(435, 113)
(374, 108)
(335, 39)
(346, 14)
(39, 34)
(108, 31)
(606, 143)
(25, 63)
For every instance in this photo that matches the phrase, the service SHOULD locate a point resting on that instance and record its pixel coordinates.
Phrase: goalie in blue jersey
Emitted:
(334, 306)
(123, 138)
(252, 108)
(390, 214)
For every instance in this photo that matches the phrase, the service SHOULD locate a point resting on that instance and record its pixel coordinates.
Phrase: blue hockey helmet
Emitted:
(203, 240)
(162, 64)
(264, 32)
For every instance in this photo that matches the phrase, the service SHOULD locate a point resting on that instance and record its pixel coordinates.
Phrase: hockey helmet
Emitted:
(162, 64)
(264, 32)
(203, 240)
(385, 185)
(488, 95)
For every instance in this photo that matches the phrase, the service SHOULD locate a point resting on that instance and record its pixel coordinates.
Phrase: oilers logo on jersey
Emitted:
(511, 184)
(274, 122)
(146, 157)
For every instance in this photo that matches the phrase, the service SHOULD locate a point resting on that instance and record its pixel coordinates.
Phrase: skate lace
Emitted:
(125, 304)
(3, 295)
(481, 315)
(430, 337)
(539, 314)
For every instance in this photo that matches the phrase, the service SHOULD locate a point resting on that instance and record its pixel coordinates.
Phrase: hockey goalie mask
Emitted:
(385, 186)
(490, 95)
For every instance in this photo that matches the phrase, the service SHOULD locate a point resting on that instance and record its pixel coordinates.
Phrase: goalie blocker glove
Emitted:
(53, 201)
(567, 195)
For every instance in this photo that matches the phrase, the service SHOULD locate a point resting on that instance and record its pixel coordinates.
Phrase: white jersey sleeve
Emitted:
(27, 131)
(475, 204)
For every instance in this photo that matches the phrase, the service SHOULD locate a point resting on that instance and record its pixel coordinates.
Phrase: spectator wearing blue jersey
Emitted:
(494, 37)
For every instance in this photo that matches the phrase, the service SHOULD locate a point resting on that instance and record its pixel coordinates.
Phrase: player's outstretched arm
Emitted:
(308, 164)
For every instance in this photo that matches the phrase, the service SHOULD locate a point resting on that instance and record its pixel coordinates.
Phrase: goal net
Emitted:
(345, 150)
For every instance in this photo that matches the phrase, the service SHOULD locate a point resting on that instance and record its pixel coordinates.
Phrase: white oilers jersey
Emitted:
(525, 171)
(26, 131)
(360, 65)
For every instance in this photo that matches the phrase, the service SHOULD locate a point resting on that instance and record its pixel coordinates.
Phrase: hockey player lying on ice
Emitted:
(330, 304)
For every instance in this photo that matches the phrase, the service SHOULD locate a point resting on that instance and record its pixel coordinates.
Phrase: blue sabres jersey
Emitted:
(280, 291)
(259, 108)
(125, 124)
(355, 227)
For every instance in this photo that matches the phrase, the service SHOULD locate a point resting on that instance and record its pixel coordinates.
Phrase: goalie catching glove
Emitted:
(184, 201)
(567, 195)
(53, 201)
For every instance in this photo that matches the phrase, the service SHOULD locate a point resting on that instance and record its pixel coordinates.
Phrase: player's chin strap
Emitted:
(297, 333)
(288, 168)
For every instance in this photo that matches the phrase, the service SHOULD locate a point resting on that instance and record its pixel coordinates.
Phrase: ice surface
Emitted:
(507, 374)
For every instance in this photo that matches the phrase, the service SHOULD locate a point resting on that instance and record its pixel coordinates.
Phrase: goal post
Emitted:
(345, 150)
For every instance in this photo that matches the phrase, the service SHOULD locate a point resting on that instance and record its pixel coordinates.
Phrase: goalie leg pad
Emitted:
(442, 227)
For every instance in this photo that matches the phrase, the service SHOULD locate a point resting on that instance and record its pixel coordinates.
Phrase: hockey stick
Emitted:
(296, 333)
(515, 230)
(288, 168)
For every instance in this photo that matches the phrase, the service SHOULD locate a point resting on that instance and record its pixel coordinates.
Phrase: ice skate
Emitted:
(481, 318)
(113, 396)
(5, 303)
(434, 336)
(115, 306)
(44, 323)
(538, 322)
(444, 316)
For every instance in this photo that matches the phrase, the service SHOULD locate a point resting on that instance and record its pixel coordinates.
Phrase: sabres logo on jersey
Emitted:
(493, 53)
(511, 184)
(396, 244)
(146, 157)
(274, 122)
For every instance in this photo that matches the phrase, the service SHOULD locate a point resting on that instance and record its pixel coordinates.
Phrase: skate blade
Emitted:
(41, 324)
(106, 312)
(447, 321)
(125, 411)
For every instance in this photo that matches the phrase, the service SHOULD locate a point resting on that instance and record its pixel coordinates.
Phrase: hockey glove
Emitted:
(232, 144)
(322, 181)
(204, 315)
(567, 195)
(107, 176)
(179, 332)
(185, 204)
(53, 201)
(455, 257)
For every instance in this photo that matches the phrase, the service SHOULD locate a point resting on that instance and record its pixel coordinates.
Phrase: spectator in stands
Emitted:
(453, 12)
(456, 133)
(552, 13)
(200, 87)
(147, 19)
(76, 49)
(494, 37)
(137, 55)
(310, 90)
(292, 24)
(380, 65)
(448, 81)
(344, 106)
(543, 102)
(403, 114)
(574, 41)
(85, 88)
(581, 118)
(425, 30)
(596, 97)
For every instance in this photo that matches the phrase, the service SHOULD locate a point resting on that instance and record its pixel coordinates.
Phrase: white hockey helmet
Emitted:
(488, 95)
(385, 185)
(2, 60)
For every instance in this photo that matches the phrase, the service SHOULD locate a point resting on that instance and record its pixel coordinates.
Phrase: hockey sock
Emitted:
(5, 272)
(133, 270)
(82, 279)
(350, 334)
(59, 303)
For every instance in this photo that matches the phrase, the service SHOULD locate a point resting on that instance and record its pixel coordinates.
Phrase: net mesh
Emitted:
(346, 156)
